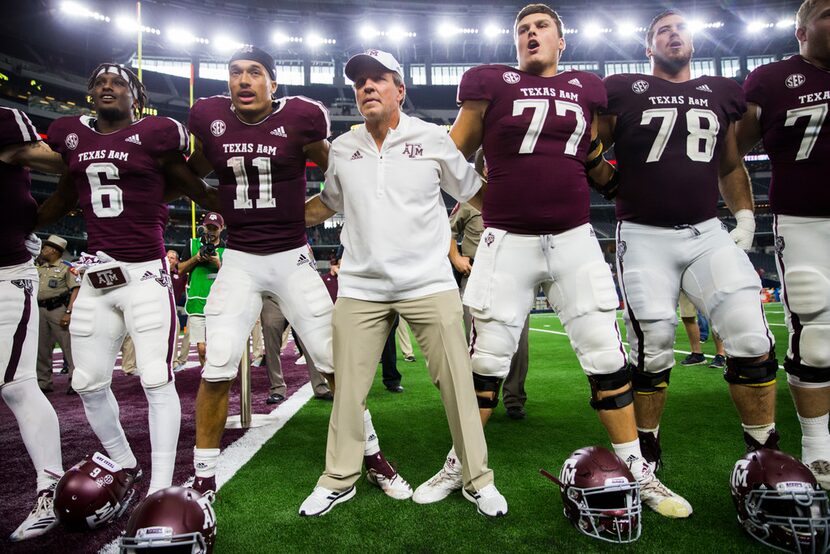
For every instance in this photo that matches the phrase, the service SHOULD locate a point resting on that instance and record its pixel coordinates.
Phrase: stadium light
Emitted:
(130, 26)
(367, 32)
(447, 31)
(754, 27)
(74, 9)
(313, 40)
(397, 33)
(629, 29)
(695, 25)
(594, 30)
(493, 31)
(183, 37)
(786, 23)
(225, 44)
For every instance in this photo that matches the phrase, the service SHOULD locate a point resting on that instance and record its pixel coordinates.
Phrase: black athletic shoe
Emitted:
(651, 450)
(772, 442)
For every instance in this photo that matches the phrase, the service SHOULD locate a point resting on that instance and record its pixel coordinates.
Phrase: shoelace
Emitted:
(44, 504)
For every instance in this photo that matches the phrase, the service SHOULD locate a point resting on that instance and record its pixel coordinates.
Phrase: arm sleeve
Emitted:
(56, 137)
(196, 118)
(736, 107)
(332, 195)
(599, 94)
(458, 177)
(317, 116)
(456, 222)
(16, 128)
(472, 86)
(613, 96)
(171, 136)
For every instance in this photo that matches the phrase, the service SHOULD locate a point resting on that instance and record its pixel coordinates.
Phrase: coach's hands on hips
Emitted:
(33, 244)
(744, 232)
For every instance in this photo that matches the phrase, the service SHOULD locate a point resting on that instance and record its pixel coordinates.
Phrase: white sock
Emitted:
(165, 417)
(629, 452)
(102, 413)
(372, 444)
(655, 431)
(815, 438)
(759, 432)
(38, 426)
(205, 461)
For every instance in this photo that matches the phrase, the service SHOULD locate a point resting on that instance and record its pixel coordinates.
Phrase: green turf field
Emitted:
(701, 437)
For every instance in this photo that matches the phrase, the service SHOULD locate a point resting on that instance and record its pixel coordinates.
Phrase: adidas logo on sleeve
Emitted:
(134, 139)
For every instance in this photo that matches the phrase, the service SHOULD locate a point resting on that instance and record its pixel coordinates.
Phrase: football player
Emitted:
(21, 148)
(537, 122)
(258, 148)
(118, 164)
(675, 144)
(788, 107)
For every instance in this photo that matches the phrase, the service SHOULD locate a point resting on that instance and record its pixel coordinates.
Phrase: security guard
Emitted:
(58, 289)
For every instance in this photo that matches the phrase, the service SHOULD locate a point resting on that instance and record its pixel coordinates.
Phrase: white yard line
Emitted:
(243, 449)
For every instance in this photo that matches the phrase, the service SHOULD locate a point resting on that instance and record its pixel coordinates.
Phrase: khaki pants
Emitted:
(360, 329)
(184, 345)
(513, 389)
(51, 331)
(128, 355)
(402, 334)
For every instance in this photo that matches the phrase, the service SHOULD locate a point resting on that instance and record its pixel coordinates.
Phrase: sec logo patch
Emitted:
(71, 141)
(217, 128)
(639, 86)
(511, 77)
(795, 80)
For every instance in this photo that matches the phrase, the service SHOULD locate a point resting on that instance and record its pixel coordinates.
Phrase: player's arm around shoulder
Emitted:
(59, 203)
(748, 129)
(602, 176)
(316, 210)
(180, 179)
(34, 155)
(736, 190)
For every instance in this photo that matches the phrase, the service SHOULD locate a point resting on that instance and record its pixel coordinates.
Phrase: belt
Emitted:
(54, 303)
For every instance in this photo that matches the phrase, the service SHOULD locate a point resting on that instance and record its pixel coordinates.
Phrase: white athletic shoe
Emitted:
(40, 520)
(442, 484)
(489, 501)
(321, 500)
(660, 498)
(821, 471)
(396, 487)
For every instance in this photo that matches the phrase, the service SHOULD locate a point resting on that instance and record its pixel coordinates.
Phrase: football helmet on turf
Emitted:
(93, 492)
(175, 519)
(600, 495)
(779, 503)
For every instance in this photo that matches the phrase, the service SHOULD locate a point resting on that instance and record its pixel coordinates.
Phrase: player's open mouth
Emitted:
(107, 97)
(675, 44)
(246, 96)
(532, 45)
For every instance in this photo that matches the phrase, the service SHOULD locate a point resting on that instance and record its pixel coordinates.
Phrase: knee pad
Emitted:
(492, 351)
(155, 375)
(611, 381)
(148, 314)
(808, 291)
(754, 374)
(83, 318)
(814, 344)
(801, 375)
(645, 382)
(485, 385)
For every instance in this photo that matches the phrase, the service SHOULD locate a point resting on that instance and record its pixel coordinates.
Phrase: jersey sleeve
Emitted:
(169, 136)
(614, 87)
(736, 100)
(318, 125)
(473, 85)
(197, 120)
(16, 128)
(56, 136)
(753, 86)
(598, 97)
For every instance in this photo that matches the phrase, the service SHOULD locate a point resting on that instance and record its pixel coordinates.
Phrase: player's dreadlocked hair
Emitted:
(136, 86)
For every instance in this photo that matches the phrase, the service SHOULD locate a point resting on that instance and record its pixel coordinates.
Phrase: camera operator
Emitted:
(202, 262)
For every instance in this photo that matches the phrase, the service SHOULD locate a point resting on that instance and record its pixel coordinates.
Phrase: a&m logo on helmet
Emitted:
(568, 473)
(71, 141)
(217, 128)
(511, 77)
(795, 80)
(639, 86)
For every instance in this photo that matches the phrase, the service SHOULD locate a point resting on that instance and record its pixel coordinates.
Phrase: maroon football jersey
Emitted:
(794, 99)
(536, 136)
(668, 144)
(18, 210)
(331, 285)
(261, 168)
(119, 181)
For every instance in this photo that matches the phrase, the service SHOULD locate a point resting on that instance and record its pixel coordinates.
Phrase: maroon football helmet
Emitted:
(779, 502)
(175, 519)
(600, 496)
(93, 492)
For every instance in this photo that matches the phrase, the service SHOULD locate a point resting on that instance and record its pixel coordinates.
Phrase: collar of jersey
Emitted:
(278, 105)
(89, 123)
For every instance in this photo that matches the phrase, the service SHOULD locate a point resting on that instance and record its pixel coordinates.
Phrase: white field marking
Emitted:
(624, 342)
(777, 324)
(243, 449)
